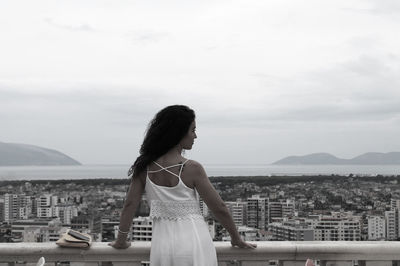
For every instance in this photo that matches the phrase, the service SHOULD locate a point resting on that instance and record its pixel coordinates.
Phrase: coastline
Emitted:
(120, 171)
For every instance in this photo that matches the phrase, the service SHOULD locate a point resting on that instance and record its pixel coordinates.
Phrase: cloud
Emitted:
(81, 27)
(146, 36)
(359, 90)
(385, 6)
(377, 7)
(362, 89)
(107, 104)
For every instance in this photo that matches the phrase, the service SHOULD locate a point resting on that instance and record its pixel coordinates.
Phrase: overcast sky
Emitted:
(267, 79)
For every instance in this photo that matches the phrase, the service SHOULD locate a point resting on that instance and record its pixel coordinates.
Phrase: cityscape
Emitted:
(275, 208)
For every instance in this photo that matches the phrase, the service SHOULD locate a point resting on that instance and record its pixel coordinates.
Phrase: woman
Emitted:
(173, 185)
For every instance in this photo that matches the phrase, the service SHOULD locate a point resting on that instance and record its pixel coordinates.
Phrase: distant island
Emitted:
(14, 154)
(369, 158)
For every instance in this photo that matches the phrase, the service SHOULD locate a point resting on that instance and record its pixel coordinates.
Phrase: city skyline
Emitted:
(266, 79)
(299, 208)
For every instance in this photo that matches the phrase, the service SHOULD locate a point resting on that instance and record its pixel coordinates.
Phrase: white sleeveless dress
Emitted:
(180, 235)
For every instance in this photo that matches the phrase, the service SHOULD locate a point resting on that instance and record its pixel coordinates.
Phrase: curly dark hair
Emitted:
(164, 132)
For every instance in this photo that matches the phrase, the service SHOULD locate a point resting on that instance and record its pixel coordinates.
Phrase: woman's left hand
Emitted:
(242, 244)
(120, 244)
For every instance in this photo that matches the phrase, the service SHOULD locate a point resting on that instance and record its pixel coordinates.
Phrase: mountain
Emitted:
(13, 154)
(314, 158)
(377, 158)
(369, 158)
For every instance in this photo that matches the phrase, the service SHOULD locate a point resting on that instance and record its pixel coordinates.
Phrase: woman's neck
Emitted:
(173, 155)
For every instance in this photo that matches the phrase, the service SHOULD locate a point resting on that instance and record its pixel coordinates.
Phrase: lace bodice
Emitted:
(178, 202)
(174, 210)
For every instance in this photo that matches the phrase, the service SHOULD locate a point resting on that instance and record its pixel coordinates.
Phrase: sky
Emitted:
(267, 79)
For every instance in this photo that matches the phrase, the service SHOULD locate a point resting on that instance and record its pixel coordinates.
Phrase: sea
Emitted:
(120, 171)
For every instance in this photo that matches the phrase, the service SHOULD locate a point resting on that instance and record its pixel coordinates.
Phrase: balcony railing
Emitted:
(267, 253)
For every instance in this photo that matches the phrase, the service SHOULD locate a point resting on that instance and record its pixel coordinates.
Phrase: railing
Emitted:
(283, 253)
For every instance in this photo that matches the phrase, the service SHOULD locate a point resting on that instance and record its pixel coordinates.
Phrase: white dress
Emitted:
(180, 235)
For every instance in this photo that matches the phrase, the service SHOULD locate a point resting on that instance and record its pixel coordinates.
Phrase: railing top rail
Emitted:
(266, 250)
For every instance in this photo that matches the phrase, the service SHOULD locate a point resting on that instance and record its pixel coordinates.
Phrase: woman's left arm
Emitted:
(131, 204)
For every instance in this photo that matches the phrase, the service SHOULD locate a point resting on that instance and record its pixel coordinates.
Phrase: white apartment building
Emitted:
(338, 227)
(141, 229)
(238, 210)
(11, 207)
(376, 228)
(392, 224)
(17, 207)
(47, 206)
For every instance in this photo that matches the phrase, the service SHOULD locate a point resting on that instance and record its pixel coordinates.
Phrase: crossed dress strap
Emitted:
(166, 168)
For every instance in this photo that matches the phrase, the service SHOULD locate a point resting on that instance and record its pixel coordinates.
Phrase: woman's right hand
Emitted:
(242, 244)
(120, 244)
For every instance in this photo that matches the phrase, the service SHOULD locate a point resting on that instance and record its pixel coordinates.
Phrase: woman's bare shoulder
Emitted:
(193, 164)
(194, 167)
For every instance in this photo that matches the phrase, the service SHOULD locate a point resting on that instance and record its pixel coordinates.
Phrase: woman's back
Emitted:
(176, 166)
(170, 198)
(166, 184)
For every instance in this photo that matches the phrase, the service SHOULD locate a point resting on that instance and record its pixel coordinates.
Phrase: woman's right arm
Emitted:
(131, 204)
(217, 206)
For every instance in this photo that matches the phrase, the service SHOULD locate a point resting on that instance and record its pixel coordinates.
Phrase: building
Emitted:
(288, 208)
(277, 210)
(238, 210)
(211, 227)
(66, 213)
(17, 207)
(291, 231)
(338, 227)
(49, 233)
(87, 223)
(31, 234)
(376, 228)
(262, 211)
(392, 224)
(108, 227)
(257, 212)
(1, 210)
(394, 204)
(5, 233)
(11, 207)
(204, 208)
(246, 233)
(31, 230)
(141, 229)
(274, 211)
(47, 206)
